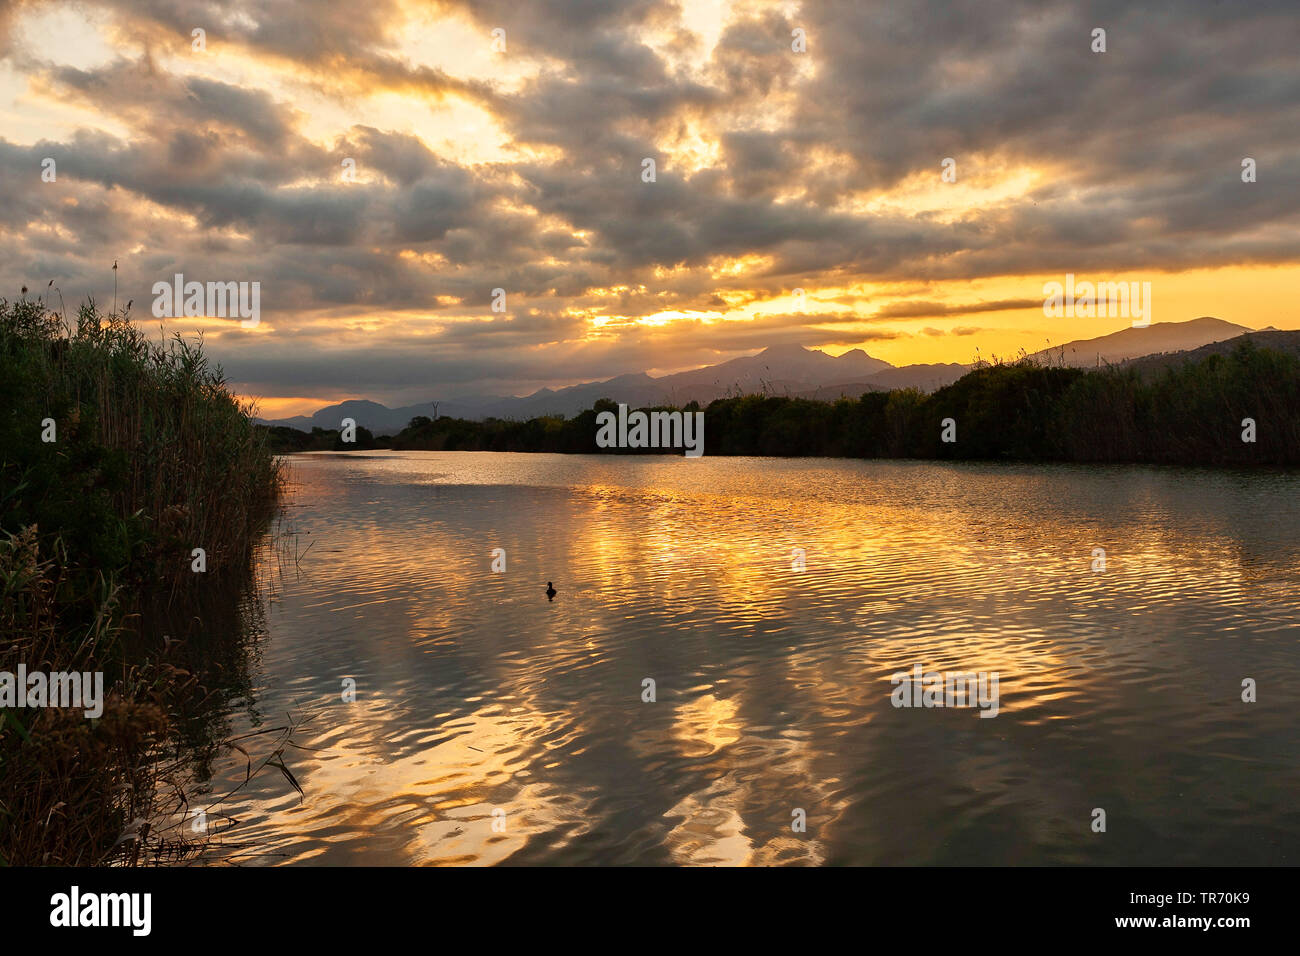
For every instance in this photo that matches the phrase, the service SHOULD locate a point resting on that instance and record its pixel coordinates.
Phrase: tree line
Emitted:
(1240, 408)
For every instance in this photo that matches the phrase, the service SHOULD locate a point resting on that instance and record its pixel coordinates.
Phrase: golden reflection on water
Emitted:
(713, 829)
(476, 694)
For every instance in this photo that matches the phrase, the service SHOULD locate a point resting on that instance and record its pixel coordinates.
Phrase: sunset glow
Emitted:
(516, 161)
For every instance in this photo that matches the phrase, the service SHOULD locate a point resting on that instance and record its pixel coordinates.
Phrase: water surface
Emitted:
(1119, 689)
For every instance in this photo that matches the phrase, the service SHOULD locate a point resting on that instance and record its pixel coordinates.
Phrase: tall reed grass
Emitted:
(152, 457)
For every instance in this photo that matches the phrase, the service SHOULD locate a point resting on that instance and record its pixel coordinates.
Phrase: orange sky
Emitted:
(516, 161)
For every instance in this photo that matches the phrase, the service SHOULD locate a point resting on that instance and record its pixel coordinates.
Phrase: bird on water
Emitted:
(550, 591)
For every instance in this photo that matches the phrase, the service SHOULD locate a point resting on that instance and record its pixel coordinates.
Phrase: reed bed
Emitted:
(152, 457)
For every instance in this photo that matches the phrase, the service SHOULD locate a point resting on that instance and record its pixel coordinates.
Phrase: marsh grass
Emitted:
(153, 457)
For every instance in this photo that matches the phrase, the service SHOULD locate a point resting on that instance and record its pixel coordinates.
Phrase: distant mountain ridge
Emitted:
(1131, 343)
(1270, 338)
(777, 370)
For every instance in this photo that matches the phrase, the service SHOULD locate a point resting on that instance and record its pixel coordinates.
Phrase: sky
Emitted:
(379, 168)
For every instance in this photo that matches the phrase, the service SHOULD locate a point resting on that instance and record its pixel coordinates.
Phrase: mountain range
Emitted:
(779, 370)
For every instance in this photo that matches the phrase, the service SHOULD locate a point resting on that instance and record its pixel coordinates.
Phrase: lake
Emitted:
(491, 725)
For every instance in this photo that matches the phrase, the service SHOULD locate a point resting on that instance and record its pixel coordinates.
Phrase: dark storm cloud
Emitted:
(1154, 128)
(404, 368)
(1139, 151)
(309, 30)
(929, 310)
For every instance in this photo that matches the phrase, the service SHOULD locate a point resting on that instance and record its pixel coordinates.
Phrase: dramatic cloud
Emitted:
(382, 168)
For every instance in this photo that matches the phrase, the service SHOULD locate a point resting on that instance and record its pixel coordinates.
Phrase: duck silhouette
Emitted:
(550, 591)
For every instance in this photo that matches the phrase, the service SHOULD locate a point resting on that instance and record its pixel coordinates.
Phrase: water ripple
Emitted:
(492, 726)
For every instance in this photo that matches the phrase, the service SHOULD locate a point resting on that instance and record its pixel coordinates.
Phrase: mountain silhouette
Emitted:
(790, 370)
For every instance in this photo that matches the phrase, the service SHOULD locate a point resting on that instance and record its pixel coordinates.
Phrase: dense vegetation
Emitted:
(118, 457)
(1187, 414)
